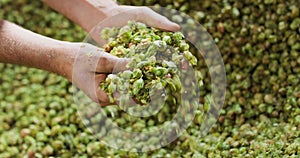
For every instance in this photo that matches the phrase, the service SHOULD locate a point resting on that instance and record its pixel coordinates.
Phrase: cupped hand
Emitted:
(91, 66)
(119, 16)
(142, 14)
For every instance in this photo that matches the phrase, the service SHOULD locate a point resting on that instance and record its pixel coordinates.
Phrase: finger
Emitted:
(108, 63)
(127, 13)
(118, 20)
(102, 97)
(132, 101)
(185, 64)
(153, 19)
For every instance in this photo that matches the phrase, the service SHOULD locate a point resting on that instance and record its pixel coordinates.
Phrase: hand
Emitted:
(141, 14)
(88, 14)
(119, 16)
(90, 67)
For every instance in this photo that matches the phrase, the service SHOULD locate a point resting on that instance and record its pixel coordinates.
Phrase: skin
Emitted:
(23, 47)
(91, 12)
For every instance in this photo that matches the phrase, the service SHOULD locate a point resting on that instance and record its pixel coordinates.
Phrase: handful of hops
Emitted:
(160, 67)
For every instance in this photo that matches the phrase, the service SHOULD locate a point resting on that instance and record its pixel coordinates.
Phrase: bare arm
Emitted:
(23, 47)
(86, 13)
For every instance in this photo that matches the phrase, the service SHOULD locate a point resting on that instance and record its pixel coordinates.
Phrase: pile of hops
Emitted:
(160, 65)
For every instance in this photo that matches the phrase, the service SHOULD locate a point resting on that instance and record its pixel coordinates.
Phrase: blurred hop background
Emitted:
(259, 41)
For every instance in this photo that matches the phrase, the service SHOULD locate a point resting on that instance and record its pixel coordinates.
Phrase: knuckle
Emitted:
(103, 63)
(144, 10)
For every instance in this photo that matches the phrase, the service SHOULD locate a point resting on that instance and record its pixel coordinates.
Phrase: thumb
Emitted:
(96, 60)
(108, 63)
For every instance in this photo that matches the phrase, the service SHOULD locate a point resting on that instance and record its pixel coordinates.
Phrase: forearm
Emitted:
(23, 47)
(86, 13)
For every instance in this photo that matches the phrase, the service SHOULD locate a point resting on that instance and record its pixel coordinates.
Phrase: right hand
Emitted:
(91, 66)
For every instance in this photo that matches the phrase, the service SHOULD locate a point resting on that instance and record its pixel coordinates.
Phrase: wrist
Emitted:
(66, 57)
(97, 11)
(86, 13)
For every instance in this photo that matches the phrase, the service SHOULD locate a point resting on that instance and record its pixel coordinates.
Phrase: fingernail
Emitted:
(175, 27)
